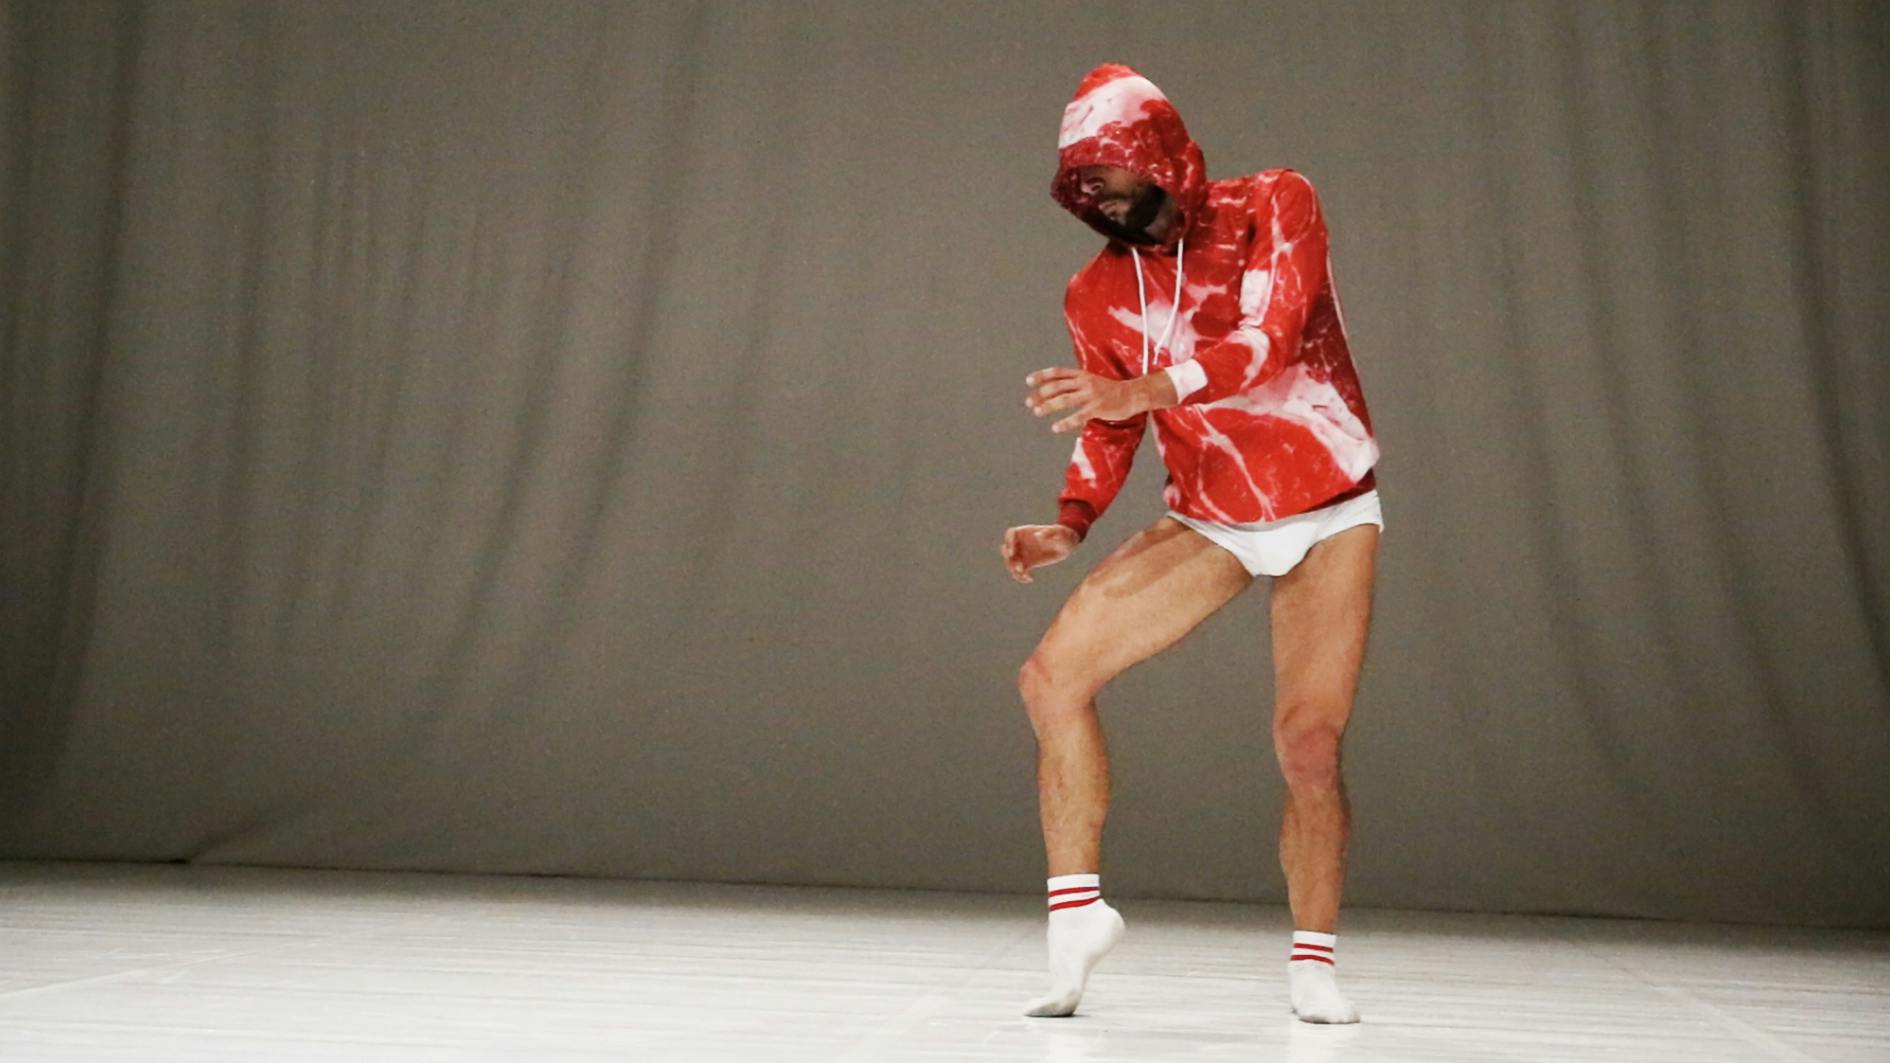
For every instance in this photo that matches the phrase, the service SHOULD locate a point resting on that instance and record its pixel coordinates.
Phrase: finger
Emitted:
(1063, 402)
(1038, 398)
(1076, 419)
(1057, 387)
(1044, 376)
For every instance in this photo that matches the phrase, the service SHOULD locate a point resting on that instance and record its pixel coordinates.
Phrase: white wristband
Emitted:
(1188, 378)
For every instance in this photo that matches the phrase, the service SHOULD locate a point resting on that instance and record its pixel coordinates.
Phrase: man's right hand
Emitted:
(1031, 546)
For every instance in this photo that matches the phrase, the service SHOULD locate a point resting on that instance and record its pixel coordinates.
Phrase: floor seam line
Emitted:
(1738, 1027)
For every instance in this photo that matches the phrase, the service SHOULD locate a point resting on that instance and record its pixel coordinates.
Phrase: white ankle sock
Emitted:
(1312, 970)
(1083, 928)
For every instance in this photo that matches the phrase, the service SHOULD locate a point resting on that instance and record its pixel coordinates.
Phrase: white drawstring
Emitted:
(1174, 311)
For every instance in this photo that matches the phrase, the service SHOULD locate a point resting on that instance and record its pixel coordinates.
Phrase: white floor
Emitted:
(147, 963)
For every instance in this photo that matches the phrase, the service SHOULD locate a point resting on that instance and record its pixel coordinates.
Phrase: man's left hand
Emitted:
(1093, 396)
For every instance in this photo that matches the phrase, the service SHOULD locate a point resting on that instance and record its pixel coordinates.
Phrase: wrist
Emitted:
(1156, 391)
(1076, 516)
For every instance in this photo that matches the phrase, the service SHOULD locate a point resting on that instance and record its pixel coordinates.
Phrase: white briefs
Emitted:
(1273, 547)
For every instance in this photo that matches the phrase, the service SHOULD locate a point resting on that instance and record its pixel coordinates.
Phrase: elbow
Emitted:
(1237, 364)
(1267, 361)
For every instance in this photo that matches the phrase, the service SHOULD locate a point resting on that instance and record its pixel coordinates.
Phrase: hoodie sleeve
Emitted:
(1285, 272)
(1104, 449)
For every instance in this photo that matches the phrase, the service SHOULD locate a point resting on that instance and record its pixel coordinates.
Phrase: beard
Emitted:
(1135, 221)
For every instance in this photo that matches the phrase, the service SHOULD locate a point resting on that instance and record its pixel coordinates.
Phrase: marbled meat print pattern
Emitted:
(1280, 425)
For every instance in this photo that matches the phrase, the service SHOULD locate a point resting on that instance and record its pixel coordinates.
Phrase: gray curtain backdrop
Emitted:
(575, 438)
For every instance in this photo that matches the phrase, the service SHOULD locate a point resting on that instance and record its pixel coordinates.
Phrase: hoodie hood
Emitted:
(1119, 118)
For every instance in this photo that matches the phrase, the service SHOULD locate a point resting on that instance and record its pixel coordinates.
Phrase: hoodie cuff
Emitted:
(1076, 516)
(1188, 378)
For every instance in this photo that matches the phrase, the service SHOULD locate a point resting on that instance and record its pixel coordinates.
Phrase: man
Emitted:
(1212, 312)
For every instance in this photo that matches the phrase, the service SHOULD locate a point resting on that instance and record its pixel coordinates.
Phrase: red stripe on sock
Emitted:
(1310, 945)
(1327, 960)
(1075, 904)
(1076, 889)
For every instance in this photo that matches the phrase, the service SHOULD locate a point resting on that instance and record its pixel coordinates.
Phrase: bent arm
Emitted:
(1105, 450)
(1284, 274)
(1098, 468)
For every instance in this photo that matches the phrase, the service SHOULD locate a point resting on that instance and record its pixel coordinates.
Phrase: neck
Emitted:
(1164, 224)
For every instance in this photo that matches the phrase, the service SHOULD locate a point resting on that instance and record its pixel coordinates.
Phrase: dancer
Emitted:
(1212, 311)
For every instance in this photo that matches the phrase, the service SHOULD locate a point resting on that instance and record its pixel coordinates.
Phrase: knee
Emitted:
(1036, 681)
(1309, 754)
(1050, 691)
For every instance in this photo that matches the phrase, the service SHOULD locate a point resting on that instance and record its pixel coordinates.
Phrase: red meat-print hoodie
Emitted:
(1272, 421)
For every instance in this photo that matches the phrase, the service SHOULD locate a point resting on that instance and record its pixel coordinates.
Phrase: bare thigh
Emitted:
(1155, 588)
(1321, 612)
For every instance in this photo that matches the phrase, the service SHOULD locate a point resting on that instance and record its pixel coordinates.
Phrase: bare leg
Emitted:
(1073, 790)
(1142, 599)
(1321, 611)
